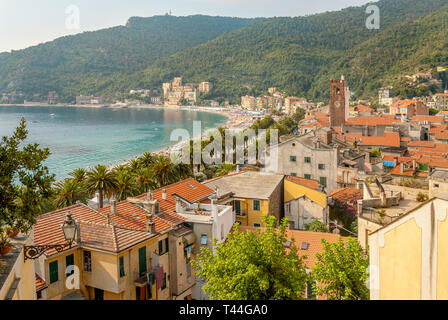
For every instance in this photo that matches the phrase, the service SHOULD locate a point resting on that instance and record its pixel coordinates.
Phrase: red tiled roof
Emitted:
(362, 108)
(314, 240)
(372, 120)
(313, 184)
(406, 139)
(347, 195)
(40, 283)
(431, 119)
(390, 139)
(425, 144)
(442, 135)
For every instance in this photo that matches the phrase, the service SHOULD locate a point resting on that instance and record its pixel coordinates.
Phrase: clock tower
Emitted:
(339, 102)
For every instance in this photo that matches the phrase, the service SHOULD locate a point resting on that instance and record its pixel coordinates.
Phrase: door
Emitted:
(99, 294)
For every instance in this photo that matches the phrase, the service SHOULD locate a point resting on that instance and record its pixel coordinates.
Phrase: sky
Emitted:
(25, 23)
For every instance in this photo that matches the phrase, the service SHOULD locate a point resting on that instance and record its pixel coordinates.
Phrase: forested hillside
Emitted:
(94, 61)
(240, 56)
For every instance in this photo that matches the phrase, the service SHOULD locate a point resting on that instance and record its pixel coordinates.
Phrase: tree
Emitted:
(341, 271)
(146, 160)
(144, 180)
(79, 175)
(164, 171)
(25, 183)
(316, 226)
(102, 180)
(253, 266)
(125, 186)
(225, 169)
(68, 192)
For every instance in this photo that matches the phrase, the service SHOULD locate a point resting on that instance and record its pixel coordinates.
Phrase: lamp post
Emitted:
(71, 233)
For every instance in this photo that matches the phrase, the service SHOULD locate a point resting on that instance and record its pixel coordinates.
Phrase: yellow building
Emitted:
(123, 253)
(409, 257)
(17, 276)
(252, 195)
(304, 202)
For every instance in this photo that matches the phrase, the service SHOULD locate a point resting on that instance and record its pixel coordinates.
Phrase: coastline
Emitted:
(236, 119)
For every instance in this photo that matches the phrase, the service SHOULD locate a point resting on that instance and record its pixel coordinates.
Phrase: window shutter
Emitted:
(166, 245)
(142, 260)
(122, 274)
(69, 261)
(160, 247)
(53, 272)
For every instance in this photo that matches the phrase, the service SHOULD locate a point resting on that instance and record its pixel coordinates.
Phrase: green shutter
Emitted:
(323, 181)
(160, 247)
(142, 260)
(54, 272)
(122, 274)
(164, 281)
(149, 289)
(69, 261)
(167, 248)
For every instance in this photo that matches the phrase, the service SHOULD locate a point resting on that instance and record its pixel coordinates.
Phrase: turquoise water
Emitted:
(85, 137)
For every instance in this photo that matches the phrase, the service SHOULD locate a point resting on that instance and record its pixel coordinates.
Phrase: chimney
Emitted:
(217, 192)
(401, 168)
(215, 208)
(164, 194)
(150, 225)
(150, 195)
(414, 164)
(179, 208)
(113, 207)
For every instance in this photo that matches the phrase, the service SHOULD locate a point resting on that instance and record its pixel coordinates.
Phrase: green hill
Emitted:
(91, 62)
(240, 56)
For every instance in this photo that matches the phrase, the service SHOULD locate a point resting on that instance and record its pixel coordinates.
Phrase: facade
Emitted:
(441, 100)
(88, 100)
(408, 108)
(205, 87)
(304, 202)
(310, 157)
(248, 102)
(385, 97)
(438, 182)
(409, 256)
(17, 275)
(175, 91)
(339, 102)
(251, 194)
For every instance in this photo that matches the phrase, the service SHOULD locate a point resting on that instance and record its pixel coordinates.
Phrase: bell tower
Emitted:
(339, 102)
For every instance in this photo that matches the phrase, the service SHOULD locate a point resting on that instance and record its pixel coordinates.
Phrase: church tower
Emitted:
(339, 102)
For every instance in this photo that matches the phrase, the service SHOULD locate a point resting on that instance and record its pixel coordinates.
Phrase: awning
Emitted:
(189, 239)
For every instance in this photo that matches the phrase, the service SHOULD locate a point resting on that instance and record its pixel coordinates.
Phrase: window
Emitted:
(309, 290)
(436, 185)
(256, 205)
(39, 295)
(321, 166)
(163, 246)
(54, 277)
(142, 260)
(257, 225)
(122, 274)
(307, 160)
(305, 245)
(204, 239)
(99, 294)
(293, 174)
(323, 181)
(237, 206)
(87, 261)
(149, 289)
(164, 281)
(293, 158)
(69, 261)
(307, 176)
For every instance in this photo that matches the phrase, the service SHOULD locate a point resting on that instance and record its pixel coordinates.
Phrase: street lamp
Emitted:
(71, 231)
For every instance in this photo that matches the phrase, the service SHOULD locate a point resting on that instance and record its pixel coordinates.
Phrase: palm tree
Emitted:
(146, 160)
(125, 186)
(144, 180)
(78, 175)
(134, 165)
(184, 171)
(164, 171)
(68, 192)
(102, 180)
(225, 169)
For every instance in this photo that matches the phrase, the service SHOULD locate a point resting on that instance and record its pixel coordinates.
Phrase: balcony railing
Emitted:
(373, 216)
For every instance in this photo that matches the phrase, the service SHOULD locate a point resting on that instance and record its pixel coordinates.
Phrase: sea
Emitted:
(80, 137)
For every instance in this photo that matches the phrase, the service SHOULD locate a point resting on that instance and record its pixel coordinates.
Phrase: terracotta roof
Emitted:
(372, 120)
(425, 144)
(313, 184)
(189, 190)
(40, 283)
(431, 119)
(362, 108)
(406, 139)
(442, 135)
(314, 240)
(390, 139)
(347, 195)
